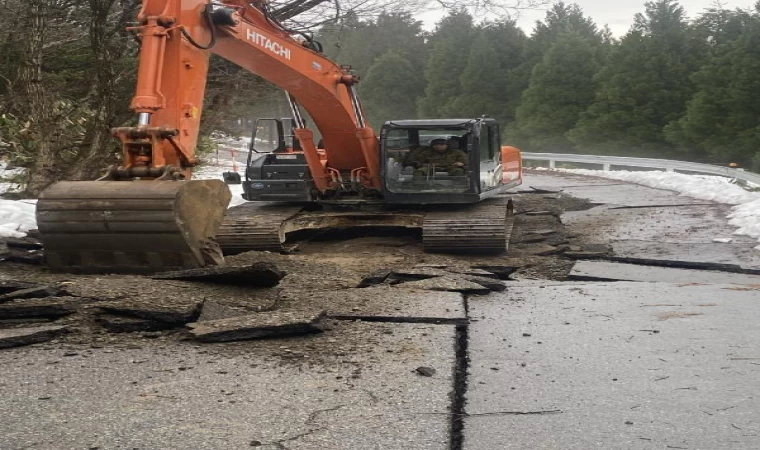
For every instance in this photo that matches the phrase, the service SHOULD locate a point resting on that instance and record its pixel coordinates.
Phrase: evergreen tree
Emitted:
(390, 89)
(451, 44)
(482, 82)
(359, 43)
(644, 85)
(722, 119)
(508, 42)
(561, 88)
(560, 20)
(338, 38)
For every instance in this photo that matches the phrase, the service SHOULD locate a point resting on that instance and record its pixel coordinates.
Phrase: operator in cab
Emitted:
(439, 156)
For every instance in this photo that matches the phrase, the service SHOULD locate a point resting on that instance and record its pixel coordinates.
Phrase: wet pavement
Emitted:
(355, 387)
(613, 271)
(646, 223)
(667, 359)
(670, 360)
(615, 366)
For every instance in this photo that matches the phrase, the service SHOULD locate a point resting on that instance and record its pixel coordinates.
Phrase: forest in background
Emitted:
(672, 87)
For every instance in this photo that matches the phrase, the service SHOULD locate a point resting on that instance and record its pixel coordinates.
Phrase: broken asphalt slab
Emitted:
(441, 278)
(354, 388)
(383, 303)
(259, 325)
(261, 301)
(258, 274)
(8, 286)
(121, 324)
(740, 255)
(17, 337)
(32, 292)
(170, 311)
(612, 271)
(614, 365)
(50, 307)
(446, 284)
(660, 233)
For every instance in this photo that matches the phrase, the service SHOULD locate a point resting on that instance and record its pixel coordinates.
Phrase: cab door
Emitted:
(490, 156)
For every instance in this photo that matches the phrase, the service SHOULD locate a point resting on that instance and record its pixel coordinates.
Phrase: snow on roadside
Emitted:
(212, 169)
(745, 215)
(17, 217)
(5, 175)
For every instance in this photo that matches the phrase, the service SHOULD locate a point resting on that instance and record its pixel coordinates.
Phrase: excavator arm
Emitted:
(178, 37)
(146, 215)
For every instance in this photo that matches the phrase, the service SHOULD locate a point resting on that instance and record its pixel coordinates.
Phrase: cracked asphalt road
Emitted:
(552, 364)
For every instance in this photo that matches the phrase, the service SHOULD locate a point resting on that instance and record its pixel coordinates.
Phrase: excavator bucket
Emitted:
(131, 226)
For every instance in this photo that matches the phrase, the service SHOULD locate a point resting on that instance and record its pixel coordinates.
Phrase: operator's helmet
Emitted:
(438, 141)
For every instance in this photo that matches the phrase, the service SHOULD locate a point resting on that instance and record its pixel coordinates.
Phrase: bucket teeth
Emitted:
(130, 226)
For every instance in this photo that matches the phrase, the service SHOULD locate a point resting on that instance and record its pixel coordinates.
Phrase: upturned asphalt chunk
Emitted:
(42, 307)
(121, 324)
(260, 325)
(174, 312)
(17, 337)
(32, 292)
(257, 275)
(447, 284)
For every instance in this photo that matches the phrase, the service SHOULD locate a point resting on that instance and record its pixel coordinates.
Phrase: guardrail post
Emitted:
(552, 164)
(606, 167)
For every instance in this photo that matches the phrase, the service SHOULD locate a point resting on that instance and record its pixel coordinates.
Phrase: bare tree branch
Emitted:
(306, 14)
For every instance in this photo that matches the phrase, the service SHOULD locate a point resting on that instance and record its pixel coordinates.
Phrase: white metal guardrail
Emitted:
(669, 165)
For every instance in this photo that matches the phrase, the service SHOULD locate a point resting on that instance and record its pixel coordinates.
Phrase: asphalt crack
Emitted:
(458, 395)
(673, 264)
(401, 319)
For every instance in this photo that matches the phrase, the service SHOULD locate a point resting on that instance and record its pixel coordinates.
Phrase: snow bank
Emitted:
(745, 216)
(6, 174)
(17, 217)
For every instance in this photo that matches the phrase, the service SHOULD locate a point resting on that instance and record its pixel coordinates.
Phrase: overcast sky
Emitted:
(618, 14)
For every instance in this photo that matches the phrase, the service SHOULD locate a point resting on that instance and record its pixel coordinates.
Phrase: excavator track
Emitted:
(484, 227)
(255, 226)
(480, 228)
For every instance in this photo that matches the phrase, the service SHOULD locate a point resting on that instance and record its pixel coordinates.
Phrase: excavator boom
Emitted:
(147, 214)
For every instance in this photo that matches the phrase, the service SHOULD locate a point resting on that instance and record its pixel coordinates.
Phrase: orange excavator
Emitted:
(147, 214)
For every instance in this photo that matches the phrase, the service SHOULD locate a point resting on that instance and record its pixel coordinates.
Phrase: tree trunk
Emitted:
(107, 46)
(36, 103)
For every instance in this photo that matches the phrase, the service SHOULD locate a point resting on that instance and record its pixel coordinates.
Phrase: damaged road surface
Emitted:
(354, 387)
(360, 340)
(178, 364)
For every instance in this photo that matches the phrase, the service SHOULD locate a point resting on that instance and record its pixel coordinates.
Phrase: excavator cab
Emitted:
(276, 169)
(468, 168)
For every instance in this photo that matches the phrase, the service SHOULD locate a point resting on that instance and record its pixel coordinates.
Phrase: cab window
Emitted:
(487, 146)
